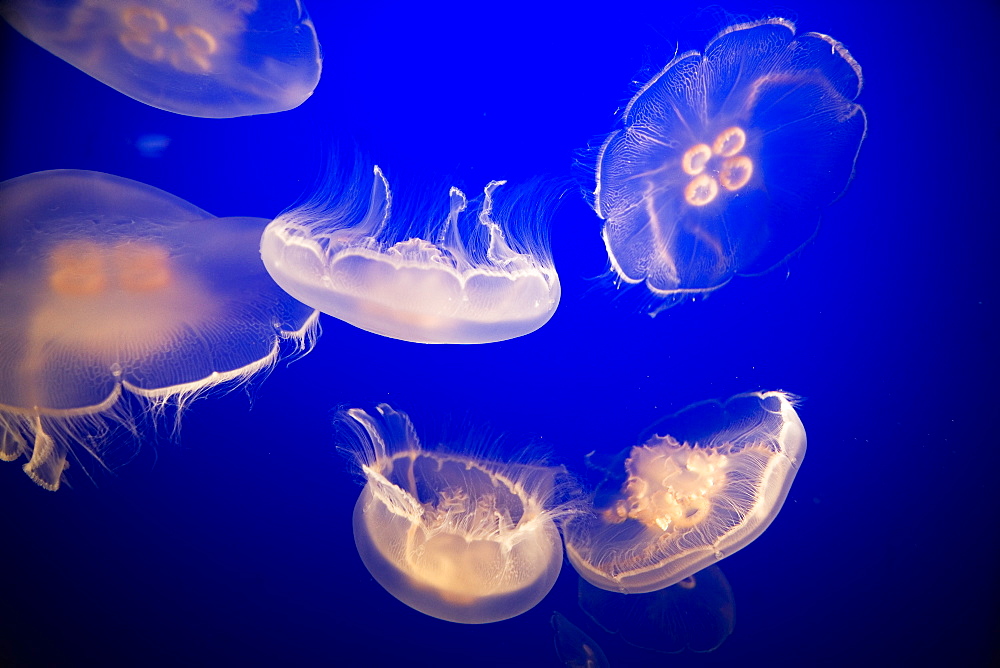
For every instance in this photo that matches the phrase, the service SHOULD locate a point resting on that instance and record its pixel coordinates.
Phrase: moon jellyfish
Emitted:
(707, 482)
(697, 613)
(113, 295)
(574, 647)
(469, 279)
(208, 58)
(454, 536)
(725, 158)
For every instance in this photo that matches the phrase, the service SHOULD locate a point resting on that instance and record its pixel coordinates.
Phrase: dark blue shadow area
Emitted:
(232, 544)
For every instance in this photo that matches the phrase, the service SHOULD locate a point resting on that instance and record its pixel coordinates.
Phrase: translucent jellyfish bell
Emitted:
(574, 647)
(115, 294)
(705, 485)
(208, 58)
(488, 280)
(454, 536)
(697, 613)
(726, 157)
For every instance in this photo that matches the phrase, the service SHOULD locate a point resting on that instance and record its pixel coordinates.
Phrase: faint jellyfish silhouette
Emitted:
(725, 158)
(152, 145)
(697, 613)
(707, 482)
(208, 58)
(455, 536)
(460, 281)
(114, 295)
(574, 647)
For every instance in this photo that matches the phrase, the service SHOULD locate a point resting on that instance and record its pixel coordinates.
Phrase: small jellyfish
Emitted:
(455, 536)
(725, 158)
(574, 647)
(697, 613)
(706, 483)
(113, 295)
(459, 281)
(207, 58)
(152, 145)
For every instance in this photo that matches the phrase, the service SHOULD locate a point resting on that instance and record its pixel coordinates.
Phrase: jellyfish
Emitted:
(207, 58)
(697, 613)
(459, 281)
(574, 647)
(723, 160)
(116, 295)
(705, 484)
(458, 537)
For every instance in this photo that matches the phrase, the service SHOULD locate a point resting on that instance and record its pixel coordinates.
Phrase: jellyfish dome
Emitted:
(707, 483)
(697, 613)
(207, 58)
(114, 295)
(725, 158)
(454, 536)
(574, 647)
(458, 281)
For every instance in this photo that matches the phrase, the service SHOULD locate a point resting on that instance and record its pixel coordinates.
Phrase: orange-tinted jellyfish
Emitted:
(207, 58)
(116, 295)
(725, 158)
(454, 535)
(706, 483)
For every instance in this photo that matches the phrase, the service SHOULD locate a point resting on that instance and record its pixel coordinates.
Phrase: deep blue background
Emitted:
(232, 544)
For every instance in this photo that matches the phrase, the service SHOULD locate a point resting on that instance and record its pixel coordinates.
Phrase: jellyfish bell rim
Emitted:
(378, 523)
(511, 563)
(664, 620)
(237, 87)
(774, 484)
(643, 580)
(507, 289)
(450, 605)
(668, 283)
(179, 395)
(128, 232)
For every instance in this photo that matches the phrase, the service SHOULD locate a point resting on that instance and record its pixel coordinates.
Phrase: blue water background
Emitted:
(232, 544)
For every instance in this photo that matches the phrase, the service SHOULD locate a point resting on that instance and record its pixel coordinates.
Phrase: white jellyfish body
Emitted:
(725, 158)
(489, 282)
(706, 484)
(454, 536)
(207, 58)
(109, 288)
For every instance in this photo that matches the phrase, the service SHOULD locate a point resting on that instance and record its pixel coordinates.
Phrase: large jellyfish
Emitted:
(114, 294)
(704, 485)
(208, 58)
(725, 158)
(455, 536)
(697, 613)
(462, 280)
